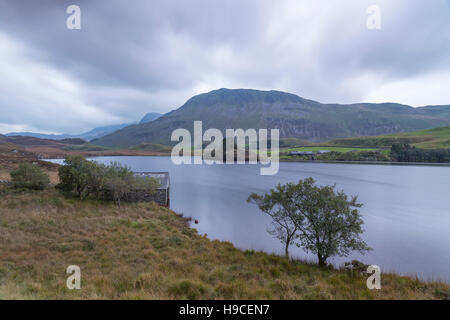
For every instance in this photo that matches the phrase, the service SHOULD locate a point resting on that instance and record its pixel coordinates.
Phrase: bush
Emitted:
(114, 182)
(118, 181)
(29, 176)
(120, 184)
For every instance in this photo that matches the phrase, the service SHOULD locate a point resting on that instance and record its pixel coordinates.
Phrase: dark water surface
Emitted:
(406, 208)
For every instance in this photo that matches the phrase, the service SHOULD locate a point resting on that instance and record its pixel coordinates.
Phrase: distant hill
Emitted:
(435, 138)
(92, 134)
(102, 131)
(47, 148)
(150, 117)
(296, 117)
(27, 141)
(40, 135)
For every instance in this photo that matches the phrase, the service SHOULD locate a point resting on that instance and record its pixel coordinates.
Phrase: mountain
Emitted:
(102, 131)
(150, 117)
(92, 134)
(296, 117)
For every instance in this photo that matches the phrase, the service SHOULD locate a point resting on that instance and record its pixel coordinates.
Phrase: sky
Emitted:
(134, 57)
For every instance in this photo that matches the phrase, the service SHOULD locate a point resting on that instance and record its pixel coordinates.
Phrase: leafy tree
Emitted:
(278, 205)
(79, 175)
(329, 222)
(326, 221)
(30, 176)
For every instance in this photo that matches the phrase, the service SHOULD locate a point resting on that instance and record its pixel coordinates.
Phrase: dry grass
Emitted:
(4, 175)
(143, 251)
(11, 156)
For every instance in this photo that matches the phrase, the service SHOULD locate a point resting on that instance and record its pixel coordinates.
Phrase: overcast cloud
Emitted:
(133, 57)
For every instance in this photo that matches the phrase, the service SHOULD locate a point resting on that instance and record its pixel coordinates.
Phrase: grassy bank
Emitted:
(142, 251)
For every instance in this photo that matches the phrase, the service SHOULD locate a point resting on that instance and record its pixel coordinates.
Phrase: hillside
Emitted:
(436, 138)
(29, 141)
(11, 155)
(43, 148)
(18, 148)
(142, 251)
(294, 116)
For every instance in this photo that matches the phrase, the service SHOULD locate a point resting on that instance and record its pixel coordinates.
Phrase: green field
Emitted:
(337, 149)
(437, 138)
(433, 138)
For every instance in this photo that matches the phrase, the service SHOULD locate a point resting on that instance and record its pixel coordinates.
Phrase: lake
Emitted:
(406, 207)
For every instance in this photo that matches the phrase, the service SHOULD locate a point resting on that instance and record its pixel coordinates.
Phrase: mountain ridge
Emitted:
(150, 116)
(296, 117)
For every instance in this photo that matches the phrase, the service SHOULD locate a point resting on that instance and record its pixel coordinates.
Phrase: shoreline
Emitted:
(438, 164)
(118, 153)
(152, 154)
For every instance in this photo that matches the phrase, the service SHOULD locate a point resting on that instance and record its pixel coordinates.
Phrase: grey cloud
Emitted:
(131, 57)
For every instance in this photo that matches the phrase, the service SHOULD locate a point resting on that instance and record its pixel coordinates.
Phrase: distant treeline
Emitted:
(374, 155)
(403, 152)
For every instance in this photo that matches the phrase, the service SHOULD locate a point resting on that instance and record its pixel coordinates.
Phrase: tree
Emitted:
(329, 222)
(279, 207)
(80, 175)
(30, 176)
(326, 222)
(406, 153)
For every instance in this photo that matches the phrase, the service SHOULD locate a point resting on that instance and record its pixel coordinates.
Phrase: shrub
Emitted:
(113, 182)
(118, 182)
(356, 267)
(29, 176)
(187, 289)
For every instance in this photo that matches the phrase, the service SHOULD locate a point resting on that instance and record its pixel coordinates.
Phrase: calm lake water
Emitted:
(406, 208)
